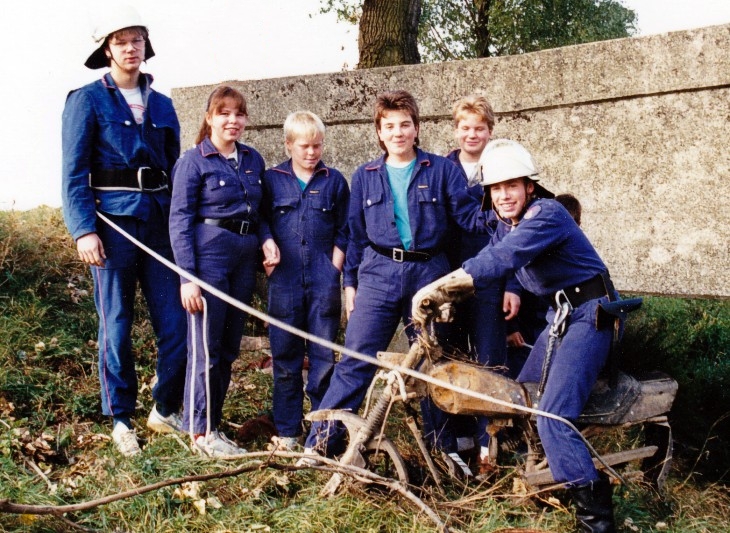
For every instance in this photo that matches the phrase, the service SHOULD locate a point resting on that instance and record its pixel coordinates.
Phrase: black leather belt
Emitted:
(399, 255)
(236, 225)
(598, 286)
(129, 179)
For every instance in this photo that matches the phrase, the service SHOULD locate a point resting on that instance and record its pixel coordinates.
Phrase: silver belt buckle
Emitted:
(245, 226)
(398, 254)
(140, 179)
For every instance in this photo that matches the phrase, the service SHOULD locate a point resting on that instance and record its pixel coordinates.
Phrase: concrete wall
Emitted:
(636, 128)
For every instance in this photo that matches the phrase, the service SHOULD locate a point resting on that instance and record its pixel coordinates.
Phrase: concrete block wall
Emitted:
(636, 128)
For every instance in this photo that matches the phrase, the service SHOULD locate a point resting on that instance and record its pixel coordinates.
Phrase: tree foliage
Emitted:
(463, 29)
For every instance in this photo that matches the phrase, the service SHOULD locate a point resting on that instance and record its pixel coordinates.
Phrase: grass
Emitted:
(55, 447)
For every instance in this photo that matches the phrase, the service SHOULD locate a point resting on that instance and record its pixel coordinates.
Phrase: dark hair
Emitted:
(395, 101)
(216, 101)
(572, 204)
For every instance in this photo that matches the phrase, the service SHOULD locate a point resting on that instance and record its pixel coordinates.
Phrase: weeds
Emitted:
(55, 446)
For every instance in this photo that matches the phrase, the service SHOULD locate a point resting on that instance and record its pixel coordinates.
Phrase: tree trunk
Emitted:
(388, 33)
(481, 28)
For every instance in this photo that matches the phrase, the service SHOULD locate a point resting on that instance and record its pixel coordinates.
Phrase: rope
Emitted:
(346, 351)
(194, 368)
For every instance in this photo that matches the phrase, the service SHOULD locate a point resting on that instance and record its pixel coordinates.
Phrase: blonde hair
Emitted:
(302, 124)
(473, 104)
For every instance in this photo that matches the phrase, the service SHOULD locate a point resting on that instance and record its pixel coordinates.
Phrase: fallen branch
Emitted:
(7, 506)
(333, 466)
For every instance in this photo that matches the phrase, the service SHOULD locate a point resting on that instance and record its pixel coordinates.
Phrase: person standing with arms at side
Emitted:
(120, 139)
(214, 227)
(306, 204)
(400, 208)
(479, 325)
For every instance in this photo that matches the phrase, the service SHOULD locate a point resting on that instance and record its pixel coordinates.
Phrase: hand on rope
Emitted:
(191, 297)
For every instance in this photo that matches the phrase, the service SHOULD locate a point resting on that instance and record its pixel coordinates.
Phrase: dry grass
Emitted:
(55, 447)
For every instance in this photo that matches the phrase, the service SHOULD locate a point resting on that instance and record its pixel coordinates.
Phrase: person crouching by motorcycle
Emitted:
(539, 241)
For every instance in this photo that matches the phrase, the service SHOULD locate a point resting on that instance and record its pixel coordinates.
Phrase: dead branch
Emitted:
(17, 508)
(329, 465)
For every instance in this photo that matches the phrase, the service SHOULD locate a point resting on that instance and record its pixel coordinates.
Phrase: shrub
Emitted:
(689, 339)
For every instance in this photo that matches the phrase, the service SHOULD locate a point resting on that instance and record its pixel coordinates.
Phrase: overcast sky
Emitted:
(197, 42)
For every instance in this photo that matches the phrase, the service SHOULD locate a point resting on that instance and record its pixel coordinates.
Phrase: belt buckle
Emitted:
(398, 254)
(245, 227)
(140, 177)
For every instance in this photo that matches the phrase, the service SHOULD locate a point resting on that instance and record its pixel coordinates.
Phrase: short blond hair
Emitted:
(303, 124)
(473, 104)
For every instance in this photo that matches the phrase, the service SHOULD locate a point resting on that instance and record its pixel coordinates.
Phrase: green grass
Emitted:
(55, 448)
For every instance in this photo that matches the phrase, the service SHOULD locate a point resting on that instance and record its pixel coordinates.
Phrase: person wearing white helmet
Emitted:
(120, 139)
(542, 245)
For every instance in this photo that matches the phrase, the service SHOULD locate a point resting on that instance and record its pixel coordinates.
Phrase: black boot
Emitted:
(594, 509)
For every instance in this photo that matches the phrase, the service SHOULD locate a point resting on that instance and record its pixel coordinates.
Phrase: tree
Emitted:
(389, 33)
(463, 29)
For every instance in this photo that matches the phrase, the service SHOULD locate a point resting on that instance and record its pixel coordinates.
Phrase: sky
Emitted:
(197, 42)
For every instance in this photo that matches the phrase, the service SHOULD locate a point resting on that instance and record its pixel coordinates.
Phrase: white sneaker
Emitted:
(125, 440)
(164, 424)
(285, 444)
(217, 445)
(309, 461)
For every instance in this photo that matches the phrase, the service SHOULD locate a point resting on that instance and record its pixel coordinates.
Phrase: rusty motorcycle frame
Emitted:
(630, 401)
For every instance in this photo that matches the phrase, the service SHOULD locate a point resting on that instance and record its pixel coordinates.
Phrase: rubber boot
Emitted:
(594, 509)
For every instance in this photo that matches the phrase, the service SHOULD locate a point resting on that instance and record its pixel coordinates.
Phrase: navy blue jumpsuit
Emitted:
(436, 195)
(101, 135)
(549, 252)
(304, 288)
(479, 322)
(479, 326)
(206, 186)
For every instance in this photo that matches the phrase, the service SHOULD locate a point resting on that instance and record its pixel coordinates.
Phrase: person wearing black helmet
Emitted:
(539, 241)
(120, 139)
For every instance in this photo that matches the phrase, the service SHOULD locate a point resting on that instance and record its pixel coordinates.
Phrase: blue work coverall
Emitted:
(205, 187)
(99, 133)
(304, 288)
(479, 327)
(436, 195)
(549, 252)
(479, 323)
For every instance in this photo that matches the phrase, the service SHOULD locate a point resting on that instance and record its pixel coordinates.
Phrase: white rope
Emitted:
(193, 373)
(346, 351)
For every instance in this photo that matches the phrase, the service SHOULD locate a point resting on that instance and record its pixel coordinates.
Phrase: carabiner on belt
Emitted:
(563, 308)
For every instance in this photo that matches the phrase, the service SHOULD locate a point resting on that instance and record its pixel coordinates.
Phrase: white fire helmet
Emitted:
(115, 17)
(505, 159)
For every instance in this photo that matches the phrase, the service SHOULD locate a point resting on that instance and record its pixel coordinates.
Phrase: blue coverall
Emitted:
(304, 288)
(549, 252)
(99, 133)
(436, 194)
(479, 322)
(206, 186)
(479, 327)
